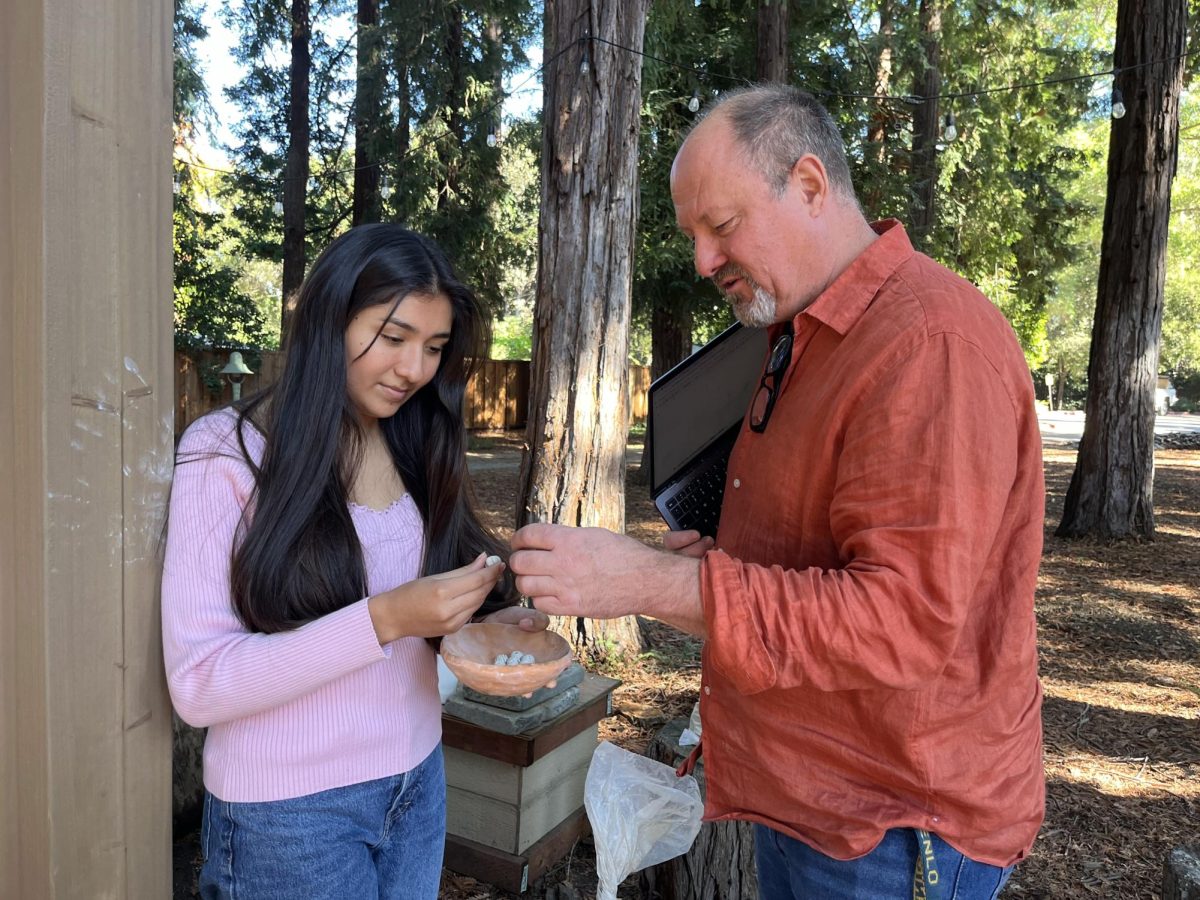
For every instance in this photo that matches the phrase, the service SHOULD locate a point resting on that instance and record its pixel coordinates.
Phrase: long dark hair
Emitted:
(298, 556)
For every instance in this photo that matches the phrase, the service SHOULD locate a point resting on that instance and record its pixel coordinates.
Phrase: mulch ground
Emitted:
(1119, 626)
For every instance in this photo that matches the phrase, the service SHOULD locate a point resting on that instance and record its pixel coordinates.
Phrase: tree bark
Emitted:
(456, 98)
(573, 472)
(1111, 490)
(295, 173)
(368, 114)
(1181, 874)
(925, 125)
(771, 54)
(880, 115)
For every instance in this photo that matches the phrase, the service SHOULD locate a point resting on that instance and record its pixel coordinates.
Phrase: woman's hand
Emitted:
(435, 605)
(527, 618)
(687, 543)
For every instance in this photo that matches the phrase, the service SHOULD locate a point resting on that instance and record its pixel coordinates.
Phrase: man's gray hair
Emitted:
(776, 125)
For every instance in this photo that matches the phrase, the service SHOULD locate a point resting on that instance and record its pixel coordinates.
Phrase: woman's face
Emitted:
(405, 344)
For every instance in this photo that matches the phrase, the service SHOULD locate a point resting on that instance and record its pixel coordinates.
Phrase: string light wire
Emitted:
(912, 99)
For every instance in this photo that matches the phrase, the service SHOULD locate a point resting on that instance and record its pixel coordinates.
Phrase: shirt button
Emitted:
(737, 482)
(708, 690)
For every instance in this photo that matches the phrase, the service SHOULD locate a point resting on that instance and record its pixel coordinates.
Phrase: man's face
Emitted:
(755, 246)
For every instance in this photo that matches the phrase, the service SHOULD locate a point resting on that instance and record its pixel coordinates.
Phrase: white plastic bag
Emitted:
(642, 814)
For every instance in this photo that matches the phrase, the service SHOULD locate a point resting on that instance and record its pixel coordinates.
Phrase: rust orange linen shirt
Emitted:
(871, 659)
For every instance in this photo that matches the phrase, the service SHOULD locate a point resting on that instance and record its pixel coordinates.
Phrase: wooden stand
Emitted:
(514, 803)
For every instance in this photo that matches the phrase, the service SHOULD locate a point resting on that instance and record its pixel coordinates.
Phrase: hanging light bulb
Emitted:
(950, 132)
(385, 189)
(585, 66)
(694, 102)
(491, 136)
(1118, 103)
(176, 185)
(277, 208)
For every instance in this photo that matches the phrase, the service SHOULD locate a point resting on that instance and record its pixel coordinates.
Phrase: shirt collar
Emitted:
(842, 304)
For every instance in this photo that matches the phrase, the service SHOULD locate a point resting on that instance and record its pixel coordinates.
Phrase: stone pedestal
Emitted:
(515, 770)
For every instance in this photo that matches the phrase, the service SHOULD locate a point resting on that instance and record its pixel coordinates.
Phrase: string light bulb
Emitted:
(176, 185)
(277, 208)
(1118, 103)
(385, 188)
(694, 102)
(950, 132)
(491, 136)
(584, 65)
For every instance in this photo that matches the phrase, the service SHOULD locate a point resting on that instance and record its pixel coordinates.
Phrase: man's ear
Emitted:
(809, 178)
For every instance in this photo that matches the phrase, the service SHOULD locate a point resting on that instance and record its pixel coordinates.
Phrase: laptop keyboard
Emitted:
(698, 505)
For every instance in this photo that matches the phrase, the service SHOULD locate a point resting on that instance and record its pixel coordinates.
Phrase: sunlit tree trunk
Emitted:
(573, 472)
(1111, 491)
(295, 172)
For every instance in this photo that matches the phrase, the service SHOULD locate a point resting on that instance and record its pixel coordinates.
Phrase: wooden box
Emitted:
(515, 802)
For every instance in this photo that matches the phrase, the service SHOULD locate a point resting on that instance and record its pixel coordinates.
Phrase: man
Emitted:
(870, 669)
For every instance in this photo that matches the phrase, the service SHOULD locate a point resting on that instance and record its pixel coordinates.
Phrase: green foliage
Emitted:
(212, 309)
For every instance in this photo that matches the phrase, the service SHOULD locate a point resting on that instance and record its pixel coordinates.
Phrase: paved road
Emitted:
(1059, 428)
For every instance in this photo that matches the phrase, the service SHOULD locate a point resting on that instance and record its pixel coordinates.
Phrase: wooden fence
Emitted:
(497, 396)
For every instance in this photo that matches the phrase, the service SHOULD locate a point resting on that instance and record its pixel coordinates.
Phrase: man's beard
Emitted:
(757, 312)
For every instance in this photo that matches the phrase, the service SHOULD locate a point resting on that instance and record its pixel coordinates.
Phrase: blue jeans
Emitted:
(381, 838)
(788, 868)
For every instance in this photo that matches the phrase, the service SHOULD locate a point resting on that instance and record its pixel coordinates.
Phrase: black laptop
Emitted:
(695, 414)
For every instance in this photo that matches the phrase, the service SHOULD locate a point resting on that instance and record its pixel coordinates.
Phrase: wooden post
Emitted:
(85, 446)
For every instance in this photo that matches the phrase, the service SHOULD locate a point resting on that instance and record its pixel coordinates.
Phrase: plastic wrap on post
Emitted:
(642, 814)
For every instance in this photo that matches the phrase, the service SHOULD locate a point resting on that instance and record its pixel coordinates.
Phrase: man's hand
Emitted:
(528, 619)
(594, 573)
(687, 543)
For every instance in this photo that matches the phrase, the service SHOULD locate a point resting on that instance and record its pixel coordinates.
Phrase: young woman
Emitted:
(319, 534)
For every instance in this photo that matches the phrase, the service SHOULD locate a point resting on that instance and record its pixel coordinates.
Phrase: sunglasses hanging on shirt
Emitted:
(768, 387)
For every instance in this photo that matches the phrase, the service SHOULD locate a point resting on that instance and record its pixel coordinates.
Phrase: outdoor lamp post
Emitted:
(235, 370)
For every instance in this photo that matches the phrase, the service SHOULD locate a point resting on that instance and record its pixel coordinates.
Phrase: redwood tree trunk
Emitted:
(925, 125)
(771, 56)
(295, 172)
(455, 101)
(573, 472)
(1111, 491)
(877, 129)
(368, 114)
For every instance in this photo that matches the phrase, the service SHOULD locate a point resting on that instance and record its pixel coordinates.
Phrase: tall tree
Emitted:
(771, 56)
(573, 471)
(295, 170)
(1112, 488)
(928, 85)
(368, 113)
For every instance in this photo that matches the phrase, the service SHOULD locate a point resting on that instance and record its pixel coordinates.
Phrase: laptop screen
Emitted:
(696, 402)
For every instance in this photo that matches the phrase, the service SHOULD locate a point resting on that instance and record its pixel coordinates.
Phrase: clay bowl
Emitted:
(470, 653)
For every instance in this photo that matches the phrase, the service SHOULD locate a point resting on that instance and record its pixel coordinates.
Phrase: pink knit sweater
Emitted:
(301, 711)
